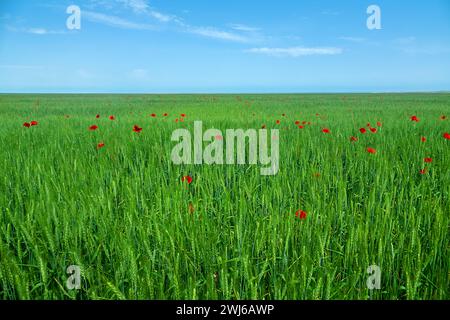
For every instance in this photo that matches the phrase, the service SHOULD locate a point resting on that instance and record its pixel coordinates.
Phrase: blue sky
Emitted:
(172, 46)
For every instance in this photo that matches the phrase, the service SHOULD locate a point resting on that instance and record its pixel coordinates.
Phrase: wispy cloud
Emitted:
(353, 39)
(115, 21)
(296, 52)
(426, 50)
(137, 5)
(237, 33)
(142, 7)
(37, 31)
(331, 13)
(43, 31)
(411, 46)
(214, 33)
(243, 27)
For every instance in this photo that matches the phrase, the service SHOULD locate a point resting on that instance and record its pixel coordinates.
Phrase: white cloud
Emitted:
(210, 32)
(410, 45)
(142, 7)
(296, 51)
(426, 50)
(95, 4)
(292, 37)
(331, 13)
(238, 33)
(115, 21)
(353, 39)
(37, 31)
(160, 16)
(242, 27)
(136, 5)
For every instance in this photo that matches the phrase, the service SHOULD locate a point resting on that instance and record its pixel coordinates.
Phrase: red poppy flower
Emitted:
(301, 214)
(93, 127)
(112, 118)
(188, 179)
(379, 124)
(278, 121)
(423, 139)
(368, 124)
(373, 130)
(33, 123)
(137, 129)
(165, 114)
(371, 150)
(97, 116)
(326, 130)
(447, 136)
(428, 160)
(176, 120)
(423, 171)
(100, 145)
(300, 127)
(353, 139)
(153, 115)
(183, 115)
(304, 122)
(27, 125)
(297, 122)
(362, 130)
(415, 119)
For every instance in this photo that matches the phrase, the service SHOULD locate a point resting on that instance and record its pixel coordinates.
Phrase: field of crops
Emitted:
(88, 180)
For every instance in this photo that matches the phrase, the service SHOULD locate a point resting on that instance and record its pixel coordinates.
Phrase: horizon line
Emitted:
(227, 93)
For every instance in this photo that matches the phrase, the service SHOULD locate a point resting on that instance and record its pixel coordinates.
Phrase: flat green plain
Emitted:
(124, 215)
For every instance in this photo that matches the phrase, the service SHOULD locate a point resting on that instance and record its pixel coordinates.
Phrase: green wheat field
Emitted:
(112, 202)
